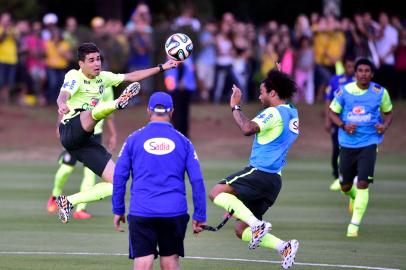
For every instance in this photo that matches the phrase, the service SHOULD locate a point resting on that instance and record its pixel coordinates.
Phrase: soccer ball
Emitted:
(178, 46)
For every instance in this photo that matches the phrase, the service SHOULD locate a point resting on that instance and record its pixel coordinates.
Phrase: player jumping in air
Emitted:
(79, 102)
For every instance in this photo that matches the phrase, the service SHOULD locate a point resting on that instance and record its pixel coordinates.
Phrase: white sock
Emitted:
(253, 221)
(280, 246)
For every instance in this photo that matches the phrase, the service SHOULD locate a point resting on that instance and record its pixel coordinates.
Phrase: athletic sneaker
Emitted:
(129, 92)
(289, 253)
(65, 208)
(52, 208)
(352, 230)
(258, 232)
(335, 186)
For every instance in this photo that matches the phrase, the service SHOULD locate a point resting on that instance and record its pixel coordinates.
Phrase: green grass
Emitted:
(305, 210)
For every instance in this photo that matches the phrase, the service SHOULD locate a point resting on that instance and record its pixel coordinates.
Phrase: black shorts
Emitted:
(357, 162)
(66, 158)
(83, 145)
(146, 234)
(257, 189)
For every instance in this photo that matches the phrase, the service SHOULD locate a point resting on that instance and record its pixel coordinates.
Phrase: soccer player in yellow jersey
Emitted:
(67, 164)
(79, 104)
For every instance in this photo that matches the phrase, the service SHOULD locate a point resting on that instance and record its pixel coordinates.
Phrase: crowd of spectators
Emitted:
(34, 56)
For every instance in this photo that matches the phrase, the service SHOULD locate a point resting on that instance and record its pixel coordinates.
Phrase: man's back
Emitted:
(158, 157)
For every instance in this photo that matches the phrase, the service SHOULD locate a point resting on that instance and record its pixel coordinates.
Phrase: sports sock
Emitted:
(103, 109)
(230, 202)
(97, 192)
(360, 205)
(268, 241)
(352, 192)
(61, 175)
(89, 179)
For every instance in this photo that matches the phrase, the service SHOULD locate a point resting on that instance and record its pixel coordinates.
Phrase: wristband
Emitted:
(161, 68)
(236, 107)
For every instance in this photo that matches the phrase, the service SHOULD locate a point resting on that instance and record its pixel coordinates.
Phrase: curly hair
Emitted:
(281, 82)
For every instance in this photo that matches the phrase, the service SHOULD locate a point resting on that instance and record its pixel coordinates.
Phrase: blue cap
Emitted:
(160, 98)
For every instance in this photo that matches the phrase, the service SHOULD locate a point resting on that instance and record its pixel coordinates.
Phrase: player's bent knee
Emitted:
(219, 188)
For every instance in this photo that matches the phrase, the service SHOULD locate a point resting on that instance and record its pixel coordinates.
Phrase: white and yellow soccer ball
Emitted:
(178, 47)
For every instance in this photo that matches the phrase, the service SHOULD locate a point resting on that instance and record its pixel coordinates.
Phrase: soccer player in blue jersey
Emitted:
(157, 157)
(363, 112)
(335, 83)
(251, 191)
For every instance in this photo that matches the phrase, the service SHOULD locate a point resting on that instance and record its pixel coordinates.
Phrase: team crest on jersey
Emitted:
(294, 125)
(159, 146)
(339, 92)
(101, 89)
(377, 88)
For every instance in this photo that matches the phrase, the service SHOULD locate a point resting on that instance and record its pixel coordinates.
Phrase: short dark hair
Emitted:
(364, 61)
(281, 82)
(86, 48)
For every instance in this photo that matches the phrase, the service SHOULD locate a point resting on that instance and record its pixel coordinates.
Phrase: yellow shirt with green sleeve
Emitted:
(86, 93)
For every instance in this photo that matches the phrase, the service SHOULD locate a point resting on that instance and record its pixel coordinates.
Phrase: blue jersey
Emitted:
(157, 157)
(279, 128)
(362, 108)
(335, 83)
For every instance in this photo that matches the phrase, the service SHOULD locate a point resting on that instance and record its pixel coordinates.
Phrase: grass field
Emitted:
(305, 210)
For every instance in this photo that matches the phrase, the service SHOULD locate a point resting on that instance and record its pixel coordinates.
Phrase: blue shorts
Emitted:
(162, 236)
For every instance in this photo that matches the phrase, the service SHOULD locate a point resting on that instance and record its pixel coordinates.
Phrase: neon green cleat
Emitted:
(352, 230)
(335, 186)
(351, 205)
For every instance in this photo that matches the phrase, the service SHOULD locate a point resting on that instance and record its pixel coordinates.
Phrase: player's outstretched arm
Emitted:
(145, 73)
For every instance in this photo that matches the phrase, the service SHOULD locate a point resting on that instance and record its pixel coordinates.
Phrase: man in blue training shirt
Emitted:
(157, 157)
(335, 83)
(251, 191)
(357, 110)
